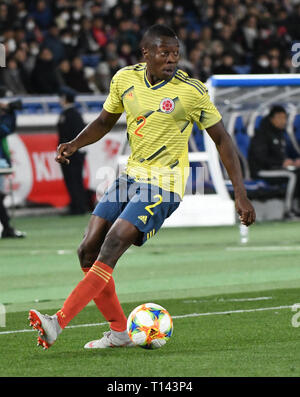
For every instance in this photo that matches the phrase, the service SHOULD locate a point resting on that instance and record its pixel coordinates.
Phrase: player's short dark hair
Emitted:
(276, 109)
(156, 31)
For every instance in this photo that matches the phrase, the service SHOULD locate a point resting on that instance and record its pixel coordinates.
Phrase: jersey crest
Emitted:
(167, 105)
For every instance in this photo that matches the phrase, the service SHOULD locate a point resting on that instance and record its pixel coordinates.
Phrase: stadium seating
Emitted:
(239, 130)
(48, 105)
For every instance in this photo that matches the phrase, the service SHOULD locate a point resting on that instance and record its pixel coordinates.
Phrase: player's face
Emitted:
(162, 58)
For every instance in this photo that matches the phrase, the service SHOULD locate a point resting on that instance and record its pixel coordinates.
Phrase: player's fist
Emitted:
(245, 210)
(64, 151)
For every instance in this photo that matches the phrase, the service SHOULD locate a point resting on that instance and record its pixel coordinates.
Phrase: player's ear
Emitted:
(145, 52)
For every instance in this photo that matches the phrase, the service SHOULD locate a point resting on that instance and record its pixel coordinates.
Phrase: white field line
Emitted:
(174, 317)
(266, 248)
(45, 251)
(260, 298)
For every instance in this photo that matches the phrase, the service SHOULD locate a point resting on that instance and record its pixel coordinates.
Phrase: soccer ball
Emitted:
(149, 326)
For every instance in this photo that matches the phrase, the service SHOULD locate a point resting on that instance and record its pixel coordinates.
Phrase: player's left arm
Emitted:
(229, 157)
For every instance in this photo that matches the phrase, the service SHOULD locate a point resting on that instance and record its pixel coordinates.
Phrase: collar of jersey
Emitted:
(157, 85)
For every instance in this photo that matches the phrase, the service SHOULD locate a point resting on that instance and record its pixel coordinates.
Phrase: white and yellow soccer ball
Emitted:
(150, 326)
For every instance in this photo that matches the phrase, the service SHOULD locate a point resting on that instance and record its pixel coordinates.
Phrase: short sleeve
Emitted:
(113, 103)
(204, 113)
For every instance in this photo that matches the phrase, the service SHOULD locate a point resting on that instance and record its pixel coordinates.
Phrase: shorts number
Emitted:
(148, 207)
(136, 132)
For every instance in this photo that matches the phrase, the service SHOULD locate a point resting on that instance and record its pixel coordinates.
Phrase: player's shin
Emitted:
(108, 303)
(95, 281)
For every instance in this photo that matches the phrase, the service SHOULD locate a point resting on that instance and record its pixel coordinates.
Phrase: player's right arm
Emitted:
(90, 134)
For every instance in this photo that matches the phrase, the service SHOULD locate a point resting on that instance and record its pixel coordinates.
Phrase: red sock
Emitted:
(94, 282)
(108, 303)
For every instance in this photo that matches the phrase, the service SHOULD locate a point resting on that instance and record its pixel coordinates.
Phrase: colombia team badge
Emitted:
(167, 105)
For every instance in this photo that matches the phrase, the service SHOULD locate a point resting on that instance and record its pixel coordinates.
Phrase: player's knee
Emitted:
(112, 247)
(86, 255)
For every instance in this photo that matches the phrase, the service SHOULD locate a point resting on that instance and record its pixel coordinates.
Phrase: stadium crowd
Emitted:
(81, 44)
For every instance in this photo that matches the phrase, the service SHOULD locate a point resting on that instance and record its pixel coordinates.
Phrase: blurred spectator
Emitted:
(274, 52)
(52, 40)
(192, 39)
(294, 22)
(106, 70)
(6, 18)
(256, 33)
(226, 65)
(275, 65)
(261, 65)
(9, 42)
(111, 48)
(249, 33)
(63, 18)
(25, 67)
(76, 78)
(44, 77)
(156, 9)
(12, 77)
(126, 54)
(19, 36)
(42, 14)
(116, 14)
(270, 160)
(138, 16)
(288, 67)
(21, 12)
(122, 9)
(69, 45)
(32, 54)
(33, 32)
(206, 67)
(127, 35)
(126, 7)
(90, 75)
(182, 35)
(63, 70)
(206, 35)
(216, 50)
(99, 32)
(194, 58)
(86, 41)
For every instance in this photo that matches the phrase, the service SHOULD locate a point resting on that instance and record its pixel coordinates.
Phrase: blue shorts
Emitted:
(144, 205)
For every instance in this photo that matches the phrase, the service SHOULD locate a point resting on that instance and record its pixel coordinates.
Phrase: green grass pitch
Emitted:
(231, 303)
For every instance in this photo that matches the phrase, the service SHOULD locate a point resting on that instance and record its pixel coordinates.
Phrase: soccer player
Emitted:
(161, 105)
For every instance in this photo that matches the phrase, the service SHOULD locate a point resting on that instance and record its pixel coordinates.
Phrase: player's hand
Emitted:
(64, 151)
(245, 210)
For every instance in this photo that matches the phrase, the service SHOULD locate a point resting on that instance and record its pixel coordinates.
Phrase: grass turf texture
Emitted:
(187, 270)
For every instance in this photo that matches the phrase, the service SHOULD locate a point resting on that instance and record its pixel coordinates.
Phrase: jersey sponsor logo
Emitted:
(167, 105)
(143, 218)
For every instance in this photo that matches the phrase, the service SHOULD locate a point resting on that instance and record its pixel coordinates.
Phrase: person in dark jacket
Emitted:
(7, 126)
(270, 159)
(44, 76)
(70, 123)
(76, 79)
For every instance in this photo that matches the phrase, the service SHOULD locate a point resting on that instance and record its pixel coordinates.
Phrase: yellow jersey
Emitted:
(159, 120)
